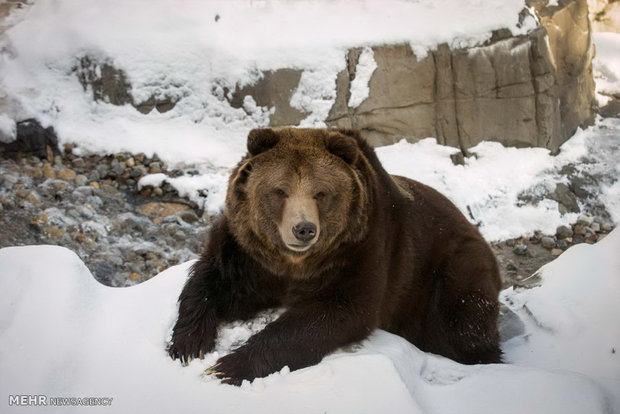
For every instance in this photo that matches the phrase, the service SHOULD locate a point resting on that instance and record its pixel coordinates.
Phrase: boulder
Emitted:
(528, 90)
(31, 140)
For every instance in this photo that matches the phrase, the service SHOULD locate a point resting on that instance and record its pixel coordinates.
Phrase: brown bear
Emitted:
(314, 224)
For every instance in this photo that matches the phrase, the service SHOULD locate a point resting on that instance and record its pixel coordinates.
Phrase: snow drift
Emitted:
(65, 335)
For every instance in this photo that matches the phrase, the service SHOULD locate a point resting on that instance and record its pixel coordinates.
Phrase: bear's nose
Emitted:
(304, 231)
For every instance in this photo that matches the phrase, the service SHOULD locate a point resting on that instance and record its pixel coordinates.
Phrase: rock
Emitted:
(138, 171)
(39, 220)
(115, 168)
(563, 232)
(527, 90)
(567, 202)
(457, 158)
(107, 83)
(155, 168)
(579, 229)
(78, 163)
(21, 192)
(188, 216)
(102, 170)
(134, 276)
(31, 140)
(510, 265)
(547, 242)
(81, 180)
(34, 172)
(130, 162)
(66, 174)
(561, 244)
(607, 227)
(556, 252)
(596, 227)
(520, 250)
(94, 184)
(158, 192)
(59, 186)
(585, 220)
(8, 181)
(54, 232)
(34, 199)
(274, 89)
(162, 209)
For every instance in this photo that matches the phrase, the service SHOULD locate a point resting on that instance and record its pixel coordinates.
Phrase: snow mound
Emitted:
(65, 335)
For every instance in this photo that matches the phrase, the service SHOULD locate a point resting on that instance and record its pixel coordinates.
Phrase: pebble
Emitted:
(81, 180)
(563, 232)
(596, 227)
(138, 171)
(155, 168)
(130, 162)
(556, 252)
(547, 242)
(161, 209)
(561, 244)
(607, 227)
(59, 186)
(9, 180)
(66, 174)
(520, 250)
(79, 163)
(102, 170)
(54, 232)
(157, 191)
(579, 229)
(585, 220)
(188, 216)
(34, 199)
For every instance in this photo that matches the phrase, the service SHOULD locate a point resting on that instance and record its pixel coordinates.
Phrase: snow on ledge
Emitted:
(65, 335)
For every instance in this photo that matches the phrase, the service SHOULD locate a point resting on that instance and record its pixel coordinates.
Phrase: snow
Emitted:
(8, 129)
(606, 65)
(488, 192)
(192, 53)
(484, 189)
(193, 58)
(65, 335)
(363, 72)
(572, 319)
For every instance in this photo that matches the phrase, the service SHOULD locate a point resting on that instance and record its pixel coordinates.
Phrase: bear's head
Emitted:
(299, 193)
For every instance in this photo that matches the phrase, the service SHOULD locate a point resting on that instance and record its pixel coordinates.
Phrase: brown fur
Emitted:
(389, 253)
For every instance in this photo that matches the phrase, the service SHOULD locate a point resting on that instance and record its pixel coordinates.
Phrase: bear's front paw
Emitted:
(236, 367)
(187, 346)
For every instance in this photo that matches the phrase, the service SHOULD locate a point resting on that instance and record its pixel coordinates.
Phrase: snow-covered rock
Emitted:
(65, 335)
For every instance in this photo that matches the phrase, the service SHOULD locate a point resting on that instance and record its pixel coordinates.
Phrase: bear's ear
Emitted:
(261, 139)
(343, 146)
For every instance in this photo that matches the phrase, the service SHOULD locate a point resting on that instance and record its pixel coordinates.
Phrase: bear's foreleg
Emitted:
(301, 337)
(196, 327)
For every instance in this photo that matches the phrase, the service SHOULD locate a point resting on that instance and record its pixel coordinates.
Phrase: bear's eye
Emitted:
(280, 193)
(319, 196)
